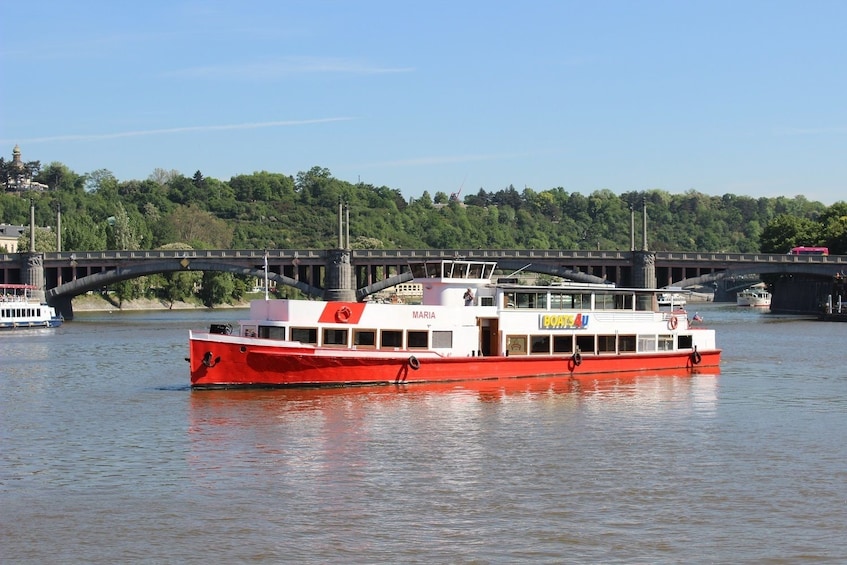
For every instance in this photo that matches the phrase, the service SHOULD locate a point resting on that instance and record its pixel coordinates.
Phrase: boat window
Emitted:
(585, 343)
(646, 343)
(516, 344)
(606, 344)
(665, 343)
(685, 342)
(567, 301)
(304, 335)
(559, 301)
(531, 299)
(418, 270)
(604, 301)
(486, 301)
(442, 339)
(562, 344)
(272, 332)
(475, 271)
(626, 343)
(540, 344)
(333, 336)
(391, 338)
(364, 338)
(418, 339)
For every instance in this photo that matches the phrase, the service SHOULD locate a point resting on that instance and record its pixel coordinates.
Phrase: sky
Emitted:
(743, 97)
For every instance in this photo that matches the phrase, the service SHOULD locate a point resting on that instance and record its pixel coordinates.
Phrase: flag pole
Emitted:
(266, 275)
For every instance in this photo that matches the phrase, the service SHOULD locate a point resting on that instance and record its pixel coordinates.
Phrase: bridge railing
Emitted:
(418, 254)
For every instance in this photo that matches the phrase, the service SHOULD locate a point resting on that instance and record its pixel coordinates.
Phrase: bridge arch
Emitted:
(822, 270)
(61, 296)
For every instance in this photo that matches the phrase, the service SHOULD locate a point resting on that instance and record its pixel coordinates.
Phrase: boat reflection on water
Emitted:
(216, 405)
(316, 440)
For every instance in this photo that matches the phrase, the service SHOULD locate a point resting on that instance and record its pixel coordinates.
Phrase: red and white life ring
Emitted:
(672, 323)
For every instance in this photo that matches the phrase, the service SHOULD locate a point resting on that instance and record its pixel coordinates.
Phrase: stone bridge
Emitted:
(315, 272)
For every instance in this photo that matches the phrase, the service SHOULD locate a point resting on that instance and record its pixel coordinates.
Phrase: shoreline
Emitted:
(99, 303)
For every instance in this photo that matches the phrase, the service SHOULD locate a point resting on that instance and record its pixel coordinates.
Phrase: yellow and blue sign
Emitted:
(562, 321)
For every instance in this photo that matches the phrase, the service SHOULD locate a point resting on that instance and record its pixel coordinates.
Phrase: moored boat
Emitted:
(673, 298)
(754, 297)
(18, 309)
(465, 328)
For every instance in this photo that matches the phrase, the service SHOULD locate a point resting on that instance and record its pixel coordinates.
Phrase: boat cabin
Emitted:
(464, 313)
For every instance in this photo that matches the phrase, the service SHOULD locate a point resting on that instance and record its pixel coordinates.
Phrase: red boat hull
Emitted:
(234, 362)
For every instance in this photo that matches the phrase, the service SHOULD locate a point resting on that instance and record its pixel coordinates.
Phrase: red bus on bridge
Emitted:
(803, 250)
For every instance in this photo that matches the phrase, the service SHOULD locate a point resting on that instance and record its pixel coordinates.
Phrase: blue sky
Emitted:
(745, 97)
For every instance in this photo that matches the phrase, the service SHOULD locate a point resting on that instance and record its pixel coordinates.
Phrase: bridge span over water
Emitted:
(68, 274)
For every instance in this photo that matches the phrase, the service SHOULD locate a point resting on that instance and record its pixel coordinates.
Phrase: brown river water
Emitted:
(106, 456)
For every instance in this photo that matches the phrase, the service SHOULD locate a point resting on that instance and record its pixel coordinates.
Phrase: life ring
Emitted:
(414, 363)
(672, 323)
(696, 357)
(577, 359)
(343, 314)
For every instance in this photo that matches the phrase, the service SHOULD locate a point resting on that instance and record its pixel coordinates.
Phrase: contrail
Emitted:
(167, 131)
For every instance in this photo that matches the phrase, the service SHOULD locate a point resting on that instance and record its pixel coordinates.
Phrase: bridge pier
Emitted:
(644, 275)
(64, 306)
(33, 272)
(339, 276)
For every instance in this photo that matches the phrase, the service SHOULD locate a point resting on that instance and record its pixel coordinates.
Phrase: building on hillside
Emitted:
(17, 176)
(9, 236)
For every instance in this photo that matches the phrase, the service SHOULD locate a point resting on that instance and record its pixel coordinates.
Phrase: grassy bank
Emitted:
(100, 303)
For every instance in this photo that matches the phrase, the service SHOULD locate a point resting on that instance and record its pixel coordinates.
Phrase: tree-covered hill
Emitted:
(274, 210)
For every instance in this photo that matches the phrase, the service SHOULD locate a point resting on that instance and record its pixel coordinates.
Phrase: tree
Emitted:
(124, 233)
(785, 232)
(218, 288)
(81, 233)
(163, 177)
(45, 240)
(198, 228)
(59, 177)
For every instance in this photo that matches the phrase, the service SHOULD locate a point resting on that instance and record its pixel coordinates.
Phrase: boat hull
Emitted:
(235, 362)
(753, 303)
(30, 324)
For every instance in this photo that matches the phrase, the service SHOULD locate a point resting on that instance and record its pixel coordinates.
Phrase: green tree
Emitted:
(82, 233)
(217, 288)
(45, 240)
(787, 231)
(198, 228)
(124, 232)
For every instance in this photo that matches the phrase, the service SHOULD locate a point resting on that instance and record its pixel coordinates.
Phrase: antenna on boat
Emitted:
(528, 265)
(266, 275)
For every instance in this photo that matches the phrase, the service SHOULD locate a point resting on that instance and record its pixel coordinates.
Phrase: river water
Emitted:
(106, 456)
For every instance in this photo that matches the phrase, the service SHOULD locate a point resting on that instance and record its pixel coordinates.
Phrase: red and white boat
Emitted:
(465, 328)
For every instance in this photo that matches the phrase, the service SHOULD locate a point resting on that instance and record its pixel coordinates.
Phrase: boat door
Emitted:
(489, 329)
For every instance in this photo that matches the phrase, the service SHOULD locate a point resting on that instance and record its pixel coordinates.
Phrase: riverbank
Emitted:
(100, 303)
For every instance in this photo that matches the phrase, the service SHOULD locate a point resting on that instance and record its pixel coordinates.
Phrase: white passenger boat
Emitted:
(465, 328)
(18, 310)
(672, 298)
(754, 297)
